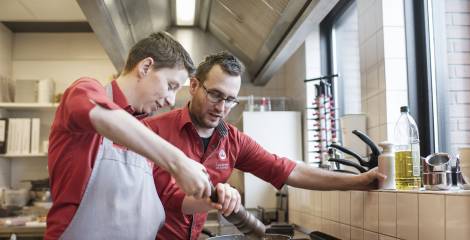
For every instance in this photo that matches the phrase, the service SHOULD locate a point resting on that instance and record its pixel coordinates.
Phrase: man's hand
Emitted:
(371, 179)
(229, 199)
(192, 178)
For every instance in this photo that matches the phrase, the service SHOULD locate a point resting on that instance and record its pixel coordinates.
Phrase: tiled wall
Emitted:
(383, 64)
(457, 15)
(382, 214)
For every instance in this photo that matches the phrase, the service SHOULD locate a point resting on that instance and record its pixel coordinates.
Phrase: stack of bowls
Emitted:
(437, 174)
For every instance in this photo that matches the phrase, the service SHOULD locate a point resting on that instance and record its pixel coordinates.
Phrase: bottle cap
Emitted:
(404, 109)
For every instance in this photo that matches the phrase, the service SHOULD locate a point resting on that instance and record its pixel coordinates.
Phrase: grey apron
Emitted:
(120, 200)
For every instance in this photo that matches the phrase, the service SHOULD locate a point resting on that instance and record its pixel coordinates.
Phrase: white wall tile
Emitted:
(385, 237)
(370, 52)
(334, 205)
(457, 217)
(357, 233)
(357, 209)
(396, 74)
(393, 14)
(371, 211)
(407, 216)
(315, 198)
(373, 111)
(325, 204)
(345, 207)
(372, 80)
(431, 217)
(330, 227)
(383, 133)
(382, 108)
(371, 235)
(374, 133)
(394, 42)
(380, 45)
(309, 221)
(395, 99)
(344, 232)
(388, 213)
(371, 20)
(363, 5)
(381, 74)
(292, 199)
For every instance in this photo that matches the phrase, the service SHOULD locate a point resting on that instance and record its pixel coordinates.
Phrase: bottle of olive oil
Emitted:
(407, 155)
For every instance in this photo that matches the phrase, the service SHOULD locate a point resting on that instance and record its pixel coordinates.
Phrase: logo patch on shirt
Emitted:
(222, 154)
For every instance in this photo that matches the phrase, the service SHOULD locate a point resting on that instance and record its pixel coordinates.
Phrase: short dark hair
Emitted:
(228, 62)
(165, 51)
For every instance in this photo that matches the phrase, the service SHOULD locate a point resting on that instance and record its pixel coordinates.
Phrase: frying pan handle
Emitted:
(375, 149)
(348, 163)
(347, 151)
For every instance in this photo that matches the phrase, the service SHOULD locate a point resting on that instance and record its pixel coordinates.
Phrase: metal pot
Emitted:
(437, 181)
(40, 195)
(437, 162)
(243, 237)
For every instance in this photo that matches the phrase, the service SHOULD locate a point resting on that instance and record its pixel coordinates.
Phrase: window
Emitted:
(438, 43)
(339, 46)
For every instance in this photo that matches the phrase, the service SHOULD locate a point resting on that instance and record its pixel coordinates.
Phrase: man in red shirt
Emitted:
(200, 131)
(101, 188)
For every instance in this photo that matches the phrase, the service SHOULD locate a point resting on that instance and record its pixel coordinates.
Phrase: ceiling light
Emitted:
(185, 12)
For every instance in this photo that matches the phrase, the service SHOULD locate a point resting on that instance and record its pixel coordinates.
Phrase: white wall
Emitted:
(64, 57)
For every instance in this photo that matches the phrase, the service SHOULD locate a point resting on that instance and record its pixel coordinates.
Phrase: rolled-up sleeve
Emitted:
(79, 100)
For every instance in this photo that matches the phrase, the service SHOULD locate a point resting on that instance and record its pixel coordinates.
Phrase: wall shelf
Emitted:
(24, 106)
(29, 155)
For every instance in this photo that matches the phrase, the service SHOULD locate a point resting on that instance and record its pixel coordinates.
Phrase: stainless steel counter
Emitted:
(214, 227)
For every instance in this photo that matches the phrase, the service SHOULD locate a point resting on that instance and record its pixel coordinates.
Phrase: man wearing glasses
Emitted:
(200, 132)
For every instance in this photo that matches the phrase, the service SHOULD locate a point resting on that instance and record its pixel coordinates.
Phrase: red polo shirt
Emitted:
(228, 148)
(73, 144)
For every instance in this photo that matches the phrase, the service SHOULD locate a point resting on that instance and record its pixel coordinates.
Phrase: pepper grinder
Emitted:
(246, 222)
(386, 162)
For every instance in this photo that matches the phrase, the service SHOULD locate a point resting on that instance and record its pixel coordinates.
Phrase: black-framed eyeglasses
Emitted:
(217, 97)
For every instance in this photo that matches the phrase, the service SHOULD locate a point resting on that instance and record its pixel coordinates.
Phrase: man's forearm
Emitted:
(309, 177)
(122, 128)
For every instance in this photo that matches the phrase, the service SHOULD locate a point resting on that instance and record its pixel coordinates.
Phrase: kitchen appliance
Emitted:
(437, 173)
(16, 197)
(364, 164)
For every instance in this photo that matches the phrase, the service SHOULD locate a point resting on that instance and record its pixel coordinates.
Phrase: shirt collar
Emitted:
(120, 99)
(185, 119)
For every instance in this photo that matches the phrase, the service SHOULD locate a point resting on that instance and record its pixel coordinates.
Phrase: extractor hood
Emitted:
(261, 33)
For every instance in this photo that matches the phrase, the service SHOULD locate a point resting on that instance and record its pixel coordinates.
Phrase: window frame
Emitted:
(425, 52)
